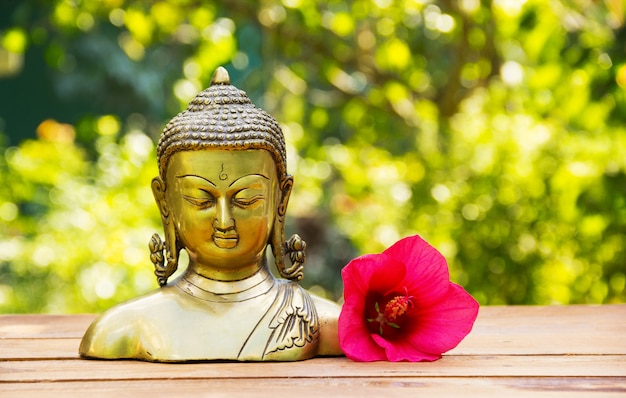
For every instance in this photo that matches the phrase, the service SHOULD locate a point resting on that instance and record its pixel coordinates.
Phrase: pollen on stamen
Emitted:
(396, 307)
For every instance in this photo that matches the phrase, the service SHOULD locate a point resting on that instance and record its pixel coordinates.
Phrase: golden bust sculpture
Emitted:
(222, 192)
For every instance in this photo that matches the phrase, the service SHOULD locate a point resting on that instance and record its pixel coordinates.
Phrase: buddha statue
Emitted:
(222, 192)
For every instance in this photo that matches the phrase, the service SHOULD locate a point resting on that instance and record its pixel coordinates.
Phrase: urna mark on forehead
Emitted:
(222, 117)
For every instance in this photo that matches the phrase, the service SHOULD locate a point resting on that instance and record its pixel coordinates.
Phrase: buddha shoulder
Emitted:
(122, 331)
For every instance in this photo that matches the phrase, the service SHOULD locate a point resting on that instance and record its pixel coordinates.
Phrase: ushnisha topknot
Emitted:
(222, 117)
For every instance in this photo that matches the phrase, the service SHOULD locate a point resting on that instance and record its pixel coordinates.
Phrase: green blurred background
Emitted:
(495, 129)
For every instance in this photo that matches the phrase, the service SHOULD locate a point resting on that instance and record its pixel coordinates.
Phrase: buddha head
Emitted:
(223, 186)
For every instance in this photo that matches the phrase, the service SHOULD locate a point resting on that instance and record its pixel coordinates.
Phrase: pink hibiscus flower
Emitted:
(401, 306)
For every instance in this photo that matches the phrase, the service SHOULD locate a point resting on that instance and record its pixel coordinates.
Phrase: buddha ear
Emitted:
(285, 192)
(164, 271)
(158, 190)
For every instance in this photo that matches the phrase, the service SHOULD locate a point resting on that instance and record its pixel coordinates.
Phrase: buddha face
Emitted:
(222, 204)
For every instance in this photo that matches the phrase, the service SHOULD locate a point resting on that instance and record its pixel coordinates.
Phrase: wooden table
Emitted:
(555, 351)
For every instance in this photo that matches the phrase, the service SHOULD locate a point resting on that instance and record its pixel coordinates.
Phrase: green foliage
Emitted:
(494, 129)
(76, 229)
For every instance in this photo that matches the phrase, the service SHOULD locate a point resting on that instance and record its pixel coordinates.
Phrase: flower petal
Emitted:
(372, 272)
(441, 327)
(354, 337)
(402, 350)
(427, 275)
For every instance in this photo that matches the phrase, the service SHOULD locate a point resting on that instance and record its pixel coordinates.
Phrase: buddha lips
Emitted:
(401, 306)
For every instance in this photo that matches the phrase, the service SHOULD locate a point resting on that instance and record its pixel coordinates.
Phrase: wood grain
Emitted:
(400, 387)
(448, 366)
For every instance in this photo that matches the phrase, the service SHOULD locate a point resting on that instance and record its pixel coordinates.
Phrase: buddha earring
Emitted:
(156, 256)
(157, 247)
(295, 247)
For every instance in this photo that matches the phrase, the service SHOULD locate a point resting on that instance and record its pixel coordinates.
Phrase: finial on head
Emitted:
(220, 76)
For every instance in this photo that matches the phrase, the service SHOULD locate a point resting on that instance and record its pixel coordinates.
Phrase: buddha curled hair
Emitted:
(223, 117)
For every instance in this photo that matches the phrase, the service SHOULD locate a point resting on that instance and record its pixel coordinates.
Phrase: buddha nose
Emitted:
(224, 220)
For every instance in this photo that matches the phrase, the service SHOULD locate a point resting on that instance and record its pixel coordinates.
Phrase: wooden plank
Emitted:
(449, 366)
(518, 330)
(44, 326)
(20, 349)
(503, 319)
(401, 387)
(527, 330)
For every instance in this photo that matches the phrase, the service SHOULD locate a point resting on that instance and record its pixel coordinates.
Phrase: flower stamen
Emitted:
(396, 307)
(394, 311)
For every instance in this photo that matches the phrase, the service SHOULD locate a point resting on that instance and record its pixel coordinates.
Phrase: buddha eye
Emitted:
(202, 203)
(246, 202)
